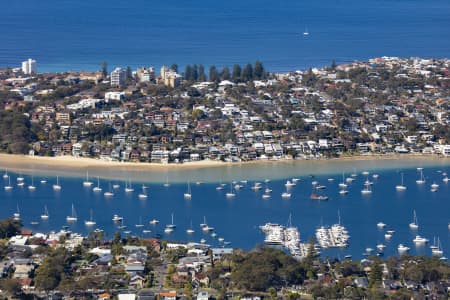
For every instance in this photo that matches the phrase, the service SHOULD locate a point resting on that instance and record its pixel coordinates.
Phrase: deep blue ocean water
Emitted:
(72, 35)
(237, 219)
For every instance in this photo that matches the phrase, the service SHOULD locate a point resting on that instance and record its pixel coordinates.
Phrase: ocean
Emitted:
(79, 35)
(237, 220)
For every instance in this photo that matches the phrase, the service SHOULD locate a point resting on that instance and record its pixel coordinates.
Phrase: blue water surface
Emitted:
(72, 35)
(237, 219)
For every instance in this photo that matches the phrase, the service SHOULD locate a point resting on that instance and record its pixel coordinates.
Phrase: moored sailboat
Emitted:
(90, 222)
(414, 225)
(45, 215)
(401, 187)
(188, 193)
(57, 186)
(73, 215)
(87, 183)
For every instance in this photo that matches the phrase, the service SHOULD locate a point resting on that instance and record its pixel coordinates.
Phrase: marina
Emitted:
(380, 220)
(288, 237)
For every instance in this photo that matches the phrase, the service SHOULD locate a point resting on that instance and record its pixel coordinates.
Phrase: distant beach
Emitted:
(208, 170)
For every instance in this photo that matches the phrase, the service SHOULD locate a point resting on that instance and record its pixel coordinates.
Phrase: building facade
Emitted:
(118, 77)
(29, 66)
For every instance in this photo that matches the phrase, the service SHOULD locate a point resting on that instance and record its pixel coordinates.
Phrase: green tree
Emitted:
(129, 74)
(11, 286)
(225, 74)
(104, 69)
(213, 74)
(236, 76)
(376, 274)
(273, 293)
(174, 67)
(201, 73)
(333, 65)
(9, 227)
(188, 73)
(194, 73)
(247, 73)
(258, 72)
(198, 114)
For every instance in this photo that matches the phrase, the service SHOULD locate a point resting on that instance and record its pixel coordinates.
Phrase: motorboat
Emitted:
(420, 240)
(402, 249)
(381, 225)
(117, 218)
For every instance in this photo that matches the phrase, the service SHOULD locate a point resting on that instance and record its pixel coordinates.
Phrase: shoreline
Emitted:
(77, 166)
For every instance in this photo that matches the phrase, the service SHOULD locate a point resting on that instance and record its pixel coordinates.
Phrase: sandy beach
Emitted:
(205, 170)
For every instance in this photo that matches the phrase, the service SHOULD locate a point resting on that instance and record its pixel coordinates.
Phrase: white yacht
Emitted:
(366, 190)
(343, 185)
(57, 186)
(343, 191)
(117, 218)
(418, 240)
(265, 196)
(97, 189)
(167, 184)
(8, 187)
(389, 234)
(401, 187)
(73, 216)
(438, 250)
(421, 179)
(286, 195)
(231, 194)
(90, 222)
(289, 184)
(16, 215)
(381, 247)
(190, 230)
(188, 194)
(87, 183)
(381, 225)
(402, 249)
(154, 221)
(414, 225)
(204, 222)
(434, 185)
(256, 186)
(109, 193)
(171, 225)
(143, 195)
(5, 175)
(31, 187)
(140, 225)
(45, 215)
(128, 188)
(43, 181)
